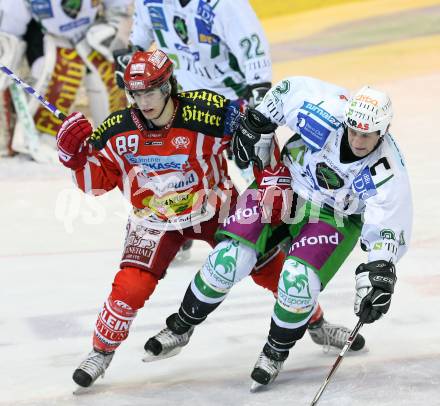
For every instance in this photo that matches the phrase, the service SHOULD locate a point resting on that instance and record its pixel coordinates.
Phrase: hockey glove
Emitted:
(274, 186)
(255, 93)
(374, 286)
(253, 139)
(71, 137)
(100, 36)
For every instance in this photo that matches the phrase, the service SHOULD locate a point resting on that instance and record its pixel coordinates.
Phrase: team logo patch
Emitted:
(327, 178)
(180, 141)
(223, 267)
(71, 7)
(293, 289)
(181, 28)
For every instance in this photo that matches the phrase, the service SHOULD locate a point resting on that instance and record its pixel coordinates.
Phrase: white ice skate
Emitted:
(266, 369)
(91, 369)
(165, 344)
(332, 335)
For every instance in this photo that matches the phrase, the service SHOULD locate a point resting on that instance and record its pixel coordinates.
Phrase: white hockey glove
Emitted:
(103, 34)
(374, 286)
(253, 139)
(100, 37)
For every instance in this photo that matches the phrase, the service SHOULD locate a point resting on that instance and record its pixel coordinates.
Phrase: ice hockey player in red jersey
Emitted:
(164, 152)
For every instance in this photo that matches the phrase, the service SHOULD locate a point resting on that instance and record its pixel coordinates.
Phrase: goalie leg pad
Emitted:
(11, 53)
(105, 96)
(58, 77)
(7, 121)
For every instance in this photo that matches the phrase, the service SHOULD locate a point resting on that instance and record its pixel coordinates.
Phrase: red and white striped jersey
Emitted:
(174, 177)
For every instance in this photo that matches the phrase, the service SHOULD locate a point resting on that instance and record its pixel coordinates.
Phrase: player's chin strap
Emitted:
(166, 90)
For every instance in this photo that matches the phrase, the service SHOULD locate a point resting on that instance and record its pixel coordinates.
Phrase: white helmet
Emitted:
(369, 110)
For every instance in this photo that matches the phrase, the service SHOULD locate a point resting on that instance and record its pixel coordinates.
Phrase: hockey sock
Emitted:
(283, 339)
(193, 311)
(113, 325)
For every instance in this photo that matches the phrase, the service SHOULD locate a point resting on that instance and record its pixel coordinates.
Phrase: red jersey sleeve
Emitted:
(99, 174)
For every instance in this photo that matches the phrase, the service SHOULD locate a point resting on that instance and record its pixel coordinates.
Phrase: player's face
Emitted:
(362, 144)
(150, 102)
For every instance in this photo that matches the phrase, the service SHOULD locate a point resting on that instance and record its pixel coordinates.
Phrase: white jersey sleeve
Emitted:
(117, 4)
(238, 26)
(141, 32)
(388, 214)
(284, 100)
(15, 17)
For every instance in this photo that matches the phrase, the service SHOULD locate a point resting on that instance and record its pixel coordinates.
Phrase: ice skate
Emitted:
(168, 342)
(266, 369)
(331, 335)
(91, 368)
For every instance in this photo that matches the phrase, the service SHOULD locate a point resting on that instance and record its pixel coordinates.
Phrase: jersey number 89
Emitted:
(126, 144)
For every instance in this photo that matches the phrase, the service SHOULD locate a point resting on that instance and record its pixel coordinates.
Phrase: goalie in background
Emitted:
(65, 44)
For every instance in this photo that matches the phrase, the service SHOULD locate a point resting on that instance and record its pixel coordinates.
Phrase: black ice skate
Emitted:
(331, 335)
(91, 368)
(266, 369)
(169, 341)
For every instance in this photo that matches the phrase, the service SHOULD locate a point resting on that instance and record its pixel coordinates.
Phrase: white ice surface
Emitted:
(60, 251)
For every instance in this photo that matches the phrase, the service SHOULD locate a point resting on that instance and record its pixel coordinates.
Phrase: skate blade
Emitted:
(256, 387)
(151, 358)
(80, 390)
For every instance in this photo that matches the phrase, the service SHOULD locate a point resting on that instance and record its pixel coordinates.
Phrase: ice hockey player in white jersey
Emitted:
(348, 183)
(66, 43)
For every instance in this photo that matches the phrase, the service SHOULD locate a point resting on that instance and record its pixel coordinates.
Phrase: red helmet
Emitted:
(147, 69)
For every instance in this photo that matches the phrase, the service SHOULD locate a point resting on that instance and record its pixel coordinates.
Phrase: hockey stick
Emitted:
(32, 92)
(338, 361)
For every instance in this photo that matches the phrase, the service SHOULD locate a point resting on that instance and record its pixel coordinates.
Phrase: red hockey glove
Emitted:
(71, 137)
(274, 186)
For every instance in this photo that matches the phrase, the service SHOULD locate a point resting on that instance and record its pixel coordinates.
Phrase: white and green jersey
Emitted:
(376, 186)
(214, 44)
(66, 19)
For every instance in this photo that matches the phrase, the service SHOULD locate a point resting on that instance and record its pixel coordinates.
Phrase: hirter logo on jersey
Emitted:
(180, 142)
